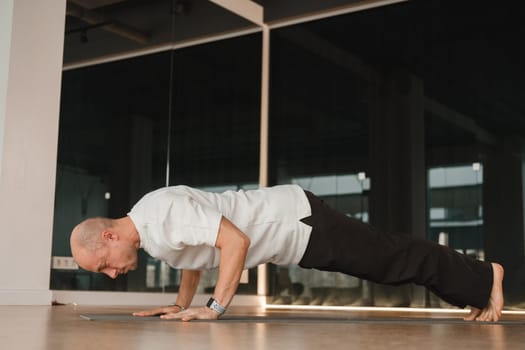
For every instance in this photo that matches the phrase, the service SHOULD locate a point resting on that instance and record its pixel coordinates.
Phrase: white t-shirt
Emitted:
(179, 224)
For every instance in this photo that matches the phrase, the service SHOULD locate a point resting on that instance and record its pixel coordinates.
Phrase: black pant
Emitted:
(340, 243)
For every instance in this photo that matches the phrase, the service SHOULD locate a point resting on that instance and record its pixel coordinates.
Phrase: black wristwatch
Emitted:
(215, 306)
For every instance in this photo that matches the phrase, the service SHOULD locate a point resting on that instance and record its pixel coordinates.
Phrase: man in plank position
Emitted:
(195, 230)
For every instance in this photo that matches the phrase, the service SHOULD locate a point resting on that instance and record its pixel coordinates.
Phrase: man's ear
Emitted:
(109, 236)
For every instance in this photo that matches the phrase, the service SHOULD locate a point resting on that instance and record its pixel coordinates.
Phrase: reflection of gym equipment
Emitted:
(286, 291)
(318, 288)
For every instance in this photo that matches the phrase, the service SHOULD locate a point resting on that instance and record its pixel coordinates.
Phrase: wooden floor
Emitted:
(61, 327)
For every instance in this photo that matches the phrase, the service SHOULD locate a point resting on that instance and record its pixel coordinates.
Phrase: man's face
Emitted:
(115, 258)
(120, 258)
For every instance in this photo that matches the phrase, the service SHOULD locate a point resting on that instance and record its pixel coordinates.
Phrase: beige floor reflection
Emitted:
(60, 327)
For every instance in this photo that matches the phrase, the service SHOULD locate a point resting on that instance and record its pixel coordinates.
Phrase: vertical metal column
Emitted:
(254, 12)
(262, 270)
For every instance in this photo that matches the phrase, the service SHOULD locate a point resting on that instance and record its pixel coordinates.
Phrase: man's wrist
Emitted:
(182, 308)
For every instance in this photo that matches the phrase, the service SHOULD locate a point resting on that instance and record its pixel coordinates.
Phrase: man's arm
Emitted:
(233, 245)
(188, 286)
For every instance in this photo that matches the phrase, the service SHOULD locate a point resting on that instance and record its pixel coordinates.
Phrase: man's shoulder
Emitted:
(169, 190)
(159, 195)
(179, 191)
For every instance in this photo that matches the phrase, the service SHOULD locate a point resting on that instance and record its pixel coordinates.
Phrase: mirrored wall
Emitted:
(409, 117)
(423, 100)
(129, 126)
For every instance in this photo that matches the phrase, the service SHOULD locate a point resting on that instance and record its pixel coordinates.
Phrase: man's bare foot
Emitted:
(491, 312)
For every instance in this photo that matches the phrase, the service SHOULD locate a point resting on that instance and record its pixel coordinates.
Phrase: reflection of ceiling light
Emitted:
(107, 195)
(361, 176)
(476, 166)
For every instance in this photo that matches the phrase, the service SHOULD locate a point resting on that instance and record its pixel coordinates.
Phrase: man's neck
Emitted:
(127, 229)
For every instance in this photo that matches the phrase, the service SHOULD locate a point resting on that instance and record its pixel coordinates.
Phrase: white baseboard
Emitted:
(25, 297)
(45, 297)
(102, 298)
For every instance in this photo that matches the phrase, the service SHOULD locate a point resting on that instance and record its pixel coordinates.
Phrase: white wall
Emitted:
(29, 101)
(6, 13)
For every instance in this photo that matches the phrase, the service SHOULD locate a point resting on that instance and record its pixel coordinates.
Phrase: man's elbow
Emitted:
(245, 242)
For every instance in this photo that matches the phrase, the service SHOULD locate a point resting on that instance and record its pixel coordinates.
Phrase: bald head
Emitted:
(105, 245)
(86, 239)
(87, 234)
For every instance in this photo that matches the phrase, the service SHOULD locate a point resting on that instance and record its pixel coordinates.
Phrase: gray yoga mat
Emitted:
(301, 319)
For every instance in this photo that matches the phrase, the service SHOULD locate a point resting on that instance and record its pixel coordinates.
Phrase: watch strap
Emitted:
(215, 306)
